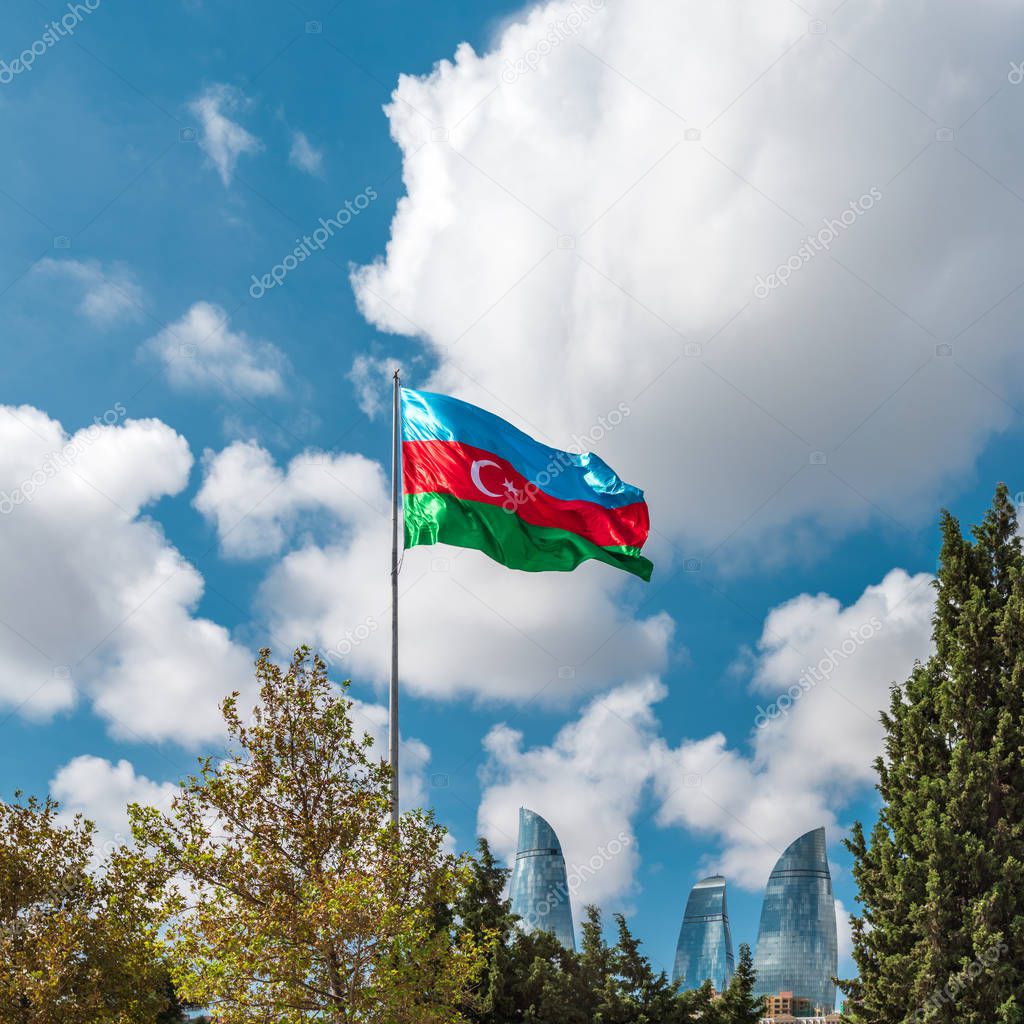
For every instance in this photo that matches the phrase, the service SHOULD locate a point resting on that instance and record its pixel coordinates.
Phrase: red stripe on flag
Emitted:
(473, 474)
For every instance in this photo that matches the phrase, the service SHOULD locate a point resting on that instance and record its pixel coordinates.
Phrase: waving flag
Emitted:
(473, 480)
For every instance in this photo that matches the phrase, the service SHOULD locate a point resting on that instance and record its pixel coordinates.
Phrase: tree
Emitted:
(526, 976)
(299, 900)
(547, 974)
(738, 1004)
(176, 1011)
(77, 944)
(530, 978)
(595, 985)
(619, 985)
(941, 877)
(485, 915)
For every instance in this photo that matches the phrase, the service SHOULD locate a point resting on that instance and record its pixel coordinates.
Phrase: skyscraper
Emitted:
(704, 950)
(540, 889)
(797, 948)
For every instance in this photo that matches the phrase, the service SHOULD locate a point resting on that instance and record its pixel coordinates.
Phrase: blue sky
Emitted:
(589, 199)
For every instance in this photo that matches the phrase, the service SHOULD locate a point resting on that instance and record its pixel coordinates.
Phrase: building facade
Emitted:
(797, 946)
(788, 1018)
(785, 1004)
(704, 950)
(540, 888)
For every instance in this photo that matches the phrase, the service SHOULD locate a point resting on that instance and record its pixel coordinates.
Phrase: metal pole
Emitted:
(396, 497)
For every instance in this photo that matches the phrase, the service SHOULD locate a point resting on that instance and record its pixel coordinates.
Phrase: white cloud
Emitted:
(201, 352)
(815, 749)
(101, 791)
(305, 156)
(845, 934)
(257, 507)
(94, 600)
(587, 784)
(469, 626)
(413, 754)
(107, 295)
(370, 378)
(664, 236)
(800, 769)
(222, 139)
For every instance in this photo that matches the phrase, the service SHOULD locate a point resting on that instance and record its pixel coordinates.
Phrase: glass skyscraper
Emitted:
(704, 950)
(540, 889)
(797, 948)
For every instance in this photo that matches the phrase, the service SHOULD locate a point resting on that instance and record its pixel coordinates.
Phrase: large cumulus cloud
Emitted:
(592, 202)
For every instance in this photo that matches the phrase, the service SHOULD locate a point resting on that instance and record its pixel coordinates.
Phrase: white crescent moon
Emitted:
(475, 474)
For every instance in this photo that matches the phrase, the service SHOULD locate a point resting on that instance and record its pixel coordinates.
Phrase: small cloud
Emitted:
(222, 139)
(844, 931)
(101, 791)
(108, 295)
(306, 156)
(370, 378)
(200, 352)
(744, 665)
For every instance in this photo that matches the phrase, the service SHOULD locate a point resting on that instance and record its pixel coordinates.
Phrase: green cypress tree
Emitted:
(483, 912)
(527, 977)
(635, 993)
(941, 878)
(596, 966)
(738, 1004)
(547, 982)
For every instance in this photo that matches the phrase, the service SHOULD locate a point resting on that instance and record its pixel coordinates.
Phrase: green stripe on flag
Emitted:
(443, 519)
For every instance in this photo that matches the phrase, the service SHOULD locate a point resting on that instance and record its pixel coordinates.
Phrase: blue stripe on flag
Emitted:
(431, 417)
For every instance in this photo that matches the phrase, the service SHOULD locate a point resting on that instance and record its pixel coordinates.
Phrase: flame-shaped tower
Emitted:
(797, 947)
(540, 889)
(704, 950)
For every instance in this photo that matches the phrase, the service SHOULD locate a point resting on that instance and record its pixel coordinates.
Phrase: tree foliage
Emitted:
(298, 898)
(531, 977)
(77, 944)
(941, 876)
(289, 897)
(738, 1004)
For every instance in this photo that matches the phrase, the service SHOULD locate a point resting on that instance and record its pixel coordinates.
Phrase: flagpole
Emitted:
(396, 431)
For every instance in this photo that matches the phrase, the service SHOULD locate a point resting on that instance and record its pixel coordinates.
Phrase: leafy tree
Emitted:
(299, 901)
(530, 978)
(738, 1004)
(485, 915)
(595, 985)
(941, 877)
(481, 907)
(704, 1005)
(546, 973)
(618, 985)
(526, 977)
(176, 1011)
(77, 945)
